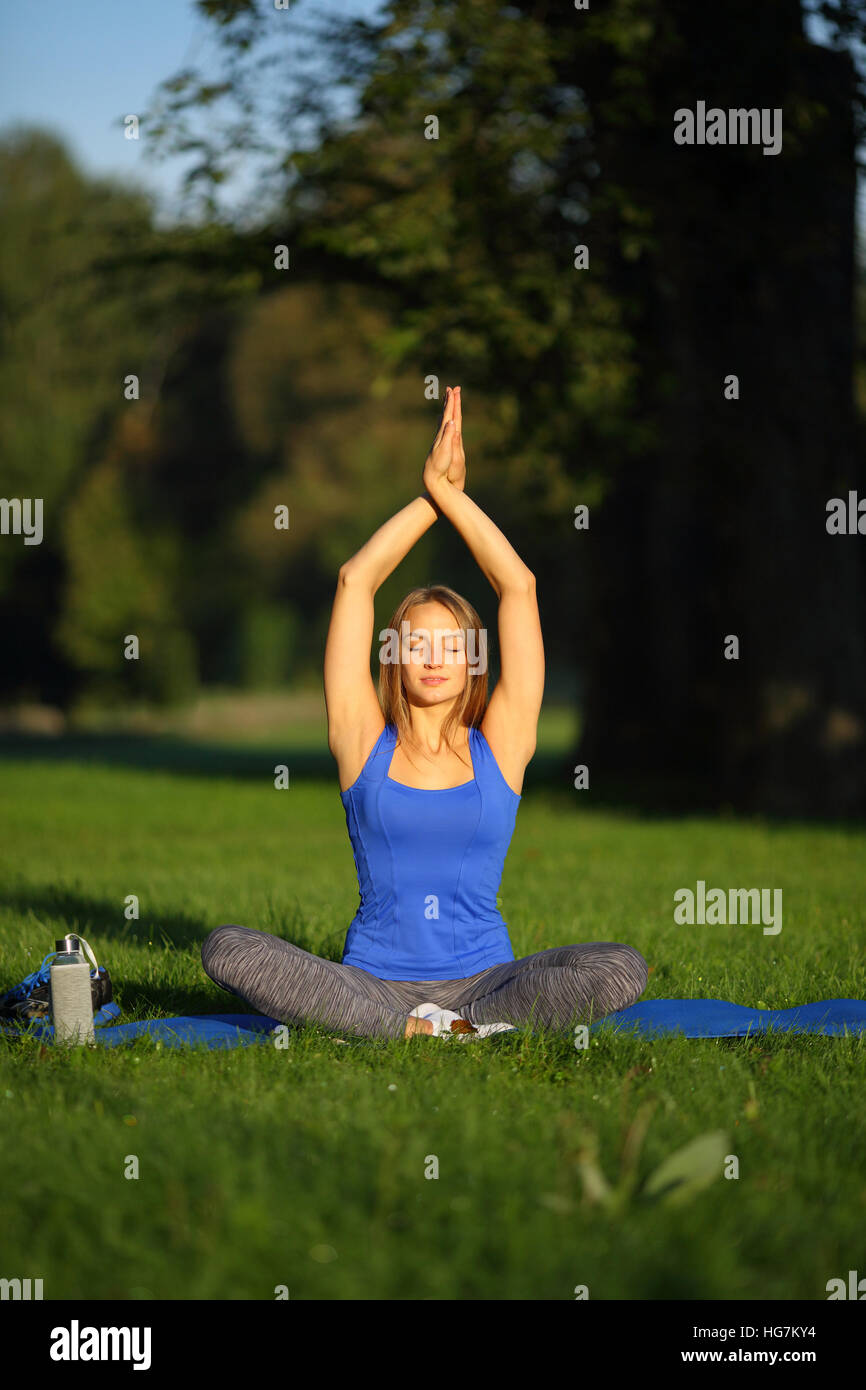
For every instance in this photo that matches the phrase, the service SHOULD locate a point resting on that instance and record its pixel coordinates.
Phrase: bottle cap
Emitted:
(67, 944)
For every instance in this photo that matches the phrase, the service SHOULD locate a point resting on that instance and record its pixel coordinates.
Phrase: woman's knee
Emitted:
(632, 971)
(218, 948)
(615, 973)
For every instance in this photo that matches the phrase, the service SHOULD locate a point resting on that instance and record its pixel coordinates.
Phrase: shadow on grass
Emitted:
(167, 753)
(190, 757)
(69, 911)
(78, 913)
(142, 999)
(551, 773)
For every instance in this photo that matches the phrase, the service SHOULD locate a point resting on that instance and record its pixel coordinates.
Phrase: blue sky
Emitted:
(79, 66)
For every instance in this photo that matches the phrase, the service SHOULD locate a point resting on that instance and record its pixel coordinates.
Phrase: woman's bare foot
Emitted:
(417, 1025)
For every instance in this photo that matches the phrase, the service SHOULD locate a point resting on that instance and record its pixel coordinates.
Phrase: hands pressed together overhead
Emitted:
(446, 459)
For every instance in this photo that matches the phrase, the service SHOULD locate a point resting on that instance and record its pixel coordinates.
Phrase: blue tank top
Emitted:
(429, 867)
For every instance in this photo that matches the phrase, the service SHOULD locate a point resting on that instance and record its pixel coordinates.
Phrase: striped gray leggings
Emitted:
(555, 989)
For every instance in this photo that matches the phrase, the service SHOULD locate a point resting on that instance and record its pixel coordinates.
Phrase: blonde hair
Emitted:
(470, 705)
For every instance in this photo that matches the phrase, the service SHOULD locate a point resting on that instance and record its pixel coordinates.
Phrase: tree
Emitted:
(707, 514)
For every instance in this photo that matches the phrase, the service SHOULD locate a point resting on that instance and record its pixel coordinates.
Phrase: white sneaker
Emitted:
(483, 1030)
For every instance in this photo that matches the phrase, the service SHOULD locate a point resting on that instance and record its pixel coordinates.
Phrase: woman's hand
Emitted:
(457, 472)
(446, 459)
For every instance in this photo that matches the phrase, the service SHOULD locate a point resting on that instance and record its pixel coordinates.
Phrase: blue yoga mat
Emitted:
(696, 1018)
(716, 1018)
(215, 1030)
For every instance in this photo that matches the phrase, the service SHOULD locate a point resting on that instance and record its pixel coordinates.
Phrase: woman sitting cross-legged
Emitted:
(431, 773)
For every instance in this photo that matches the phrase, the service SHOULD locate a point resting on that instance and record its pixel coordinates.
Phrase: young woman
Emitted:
(430, 777)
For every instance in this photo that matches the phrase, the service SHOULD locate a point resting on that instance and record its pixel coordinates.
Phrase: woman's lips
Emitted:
(433, 680)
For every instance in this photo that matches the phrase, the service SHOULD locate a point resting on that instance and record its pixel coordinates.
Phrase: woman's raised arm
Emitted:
(511, 720)
(354, 717)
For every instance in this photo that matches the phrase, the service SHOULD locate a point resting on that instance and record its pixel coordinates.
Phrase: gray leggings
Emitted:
(554, 989)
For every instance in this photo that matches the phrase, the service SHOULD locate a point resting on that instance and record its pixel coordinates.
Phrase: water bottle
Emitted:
(71, 996)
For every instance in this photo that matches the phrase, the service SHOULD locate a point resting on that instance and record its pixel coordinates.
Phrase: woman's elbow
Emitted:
(523, 582)
(353, 576)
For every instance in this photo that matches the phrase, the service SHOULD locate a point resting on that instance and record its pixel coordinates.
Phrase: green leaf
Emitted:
(596, 1188)
(681, 1176)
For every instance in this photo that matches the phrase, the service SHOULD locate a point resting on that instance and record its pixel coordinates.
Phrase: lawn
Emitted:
(311, 1167)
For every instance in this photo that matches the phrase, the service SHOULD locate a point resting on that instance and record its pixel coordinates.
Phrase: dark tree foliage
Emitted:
(555, 128)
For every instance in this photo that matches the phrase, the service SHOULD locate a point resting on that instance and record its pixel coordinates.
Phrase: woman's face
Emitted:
(432, 655)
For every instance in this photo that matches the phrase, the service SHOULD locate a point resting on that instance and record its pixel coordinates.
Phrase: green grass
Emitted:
(305, 1166)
